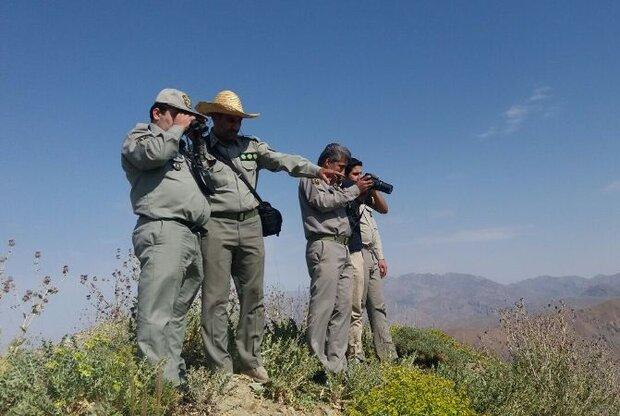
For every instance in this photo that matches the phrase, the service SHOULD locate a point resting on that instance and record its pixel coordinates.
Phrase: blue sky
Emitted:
(498, 124)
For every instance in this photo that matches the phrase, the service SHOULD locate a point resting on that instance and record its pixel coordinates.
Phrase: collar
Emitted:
(365, 209)
(156, 129)
(213, 140)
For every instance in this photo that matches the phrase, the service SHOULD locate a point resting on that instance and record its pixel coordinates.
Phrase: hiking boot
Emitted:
(258, 374)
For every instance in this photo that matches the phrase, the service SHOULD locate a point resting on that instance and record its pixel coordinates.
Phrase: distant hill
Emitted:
(600, 321)
(453, 299)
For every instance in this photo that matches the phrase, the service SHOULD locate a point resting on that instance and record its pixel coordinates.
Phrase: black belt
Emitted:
(344, 240)
(237, 216)
(193, 227)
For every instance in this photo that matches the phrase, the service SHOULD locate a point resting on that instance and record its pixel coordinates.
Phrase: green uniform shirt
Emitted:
(324, 207)
(162, 185)
(248, 155)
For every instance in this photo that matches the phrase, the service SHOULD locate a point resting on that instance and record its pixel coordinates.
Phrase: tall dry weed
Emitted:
(554, 371)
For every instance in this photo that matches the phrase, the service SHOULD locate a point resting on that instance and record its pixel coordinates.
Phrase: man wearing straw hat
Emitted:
(172, 213)
(234, 244)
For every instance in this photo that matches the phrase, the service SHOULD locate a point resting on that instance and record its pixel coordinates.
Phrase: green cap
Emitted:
(177, 99)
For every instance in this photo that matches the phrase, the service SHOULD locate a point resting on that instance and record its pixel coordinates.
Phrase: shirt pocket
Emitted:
(217, 176)
(249, 165)
(249, 170)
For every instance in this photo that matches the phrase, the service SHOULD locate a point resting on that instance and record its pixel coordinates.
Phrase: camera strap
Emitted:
(219, 156)
(194, 168)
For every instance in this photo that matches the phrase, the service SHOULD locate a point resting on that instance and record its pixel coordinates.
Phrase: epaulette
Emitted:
(251, 138)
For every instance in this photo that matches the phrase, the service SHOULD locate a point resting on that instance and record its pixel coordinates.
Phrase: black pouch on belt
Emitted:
(270, 217)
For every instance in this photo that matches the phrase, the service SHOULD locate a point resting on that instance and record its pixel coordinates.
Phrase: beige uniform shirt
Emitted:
(324, 207)
(248, 155)
(162, 185)
(370, 232)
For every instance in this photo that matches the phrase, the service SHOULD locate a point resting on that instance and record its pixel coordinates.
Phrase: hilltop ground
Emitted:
(548, 368)
(96, 373)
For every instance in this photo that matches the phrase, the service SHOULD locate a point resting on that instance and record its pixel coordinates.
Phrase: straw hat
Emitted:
(225, 102)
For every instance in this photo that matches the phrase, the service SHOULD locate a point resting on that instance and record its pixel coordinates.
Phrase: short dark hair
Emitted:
(353, 162)
(334, 152)
(160, 106)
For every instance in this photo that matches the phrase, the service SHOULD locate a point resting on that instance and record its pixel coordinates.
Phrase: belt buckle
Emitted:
(241, 216)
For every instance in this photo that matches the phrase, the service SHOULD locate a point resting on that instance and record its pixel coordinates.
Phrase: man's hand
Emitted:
(383, 269)
(328, 175)
(364, 183)
(183, 120)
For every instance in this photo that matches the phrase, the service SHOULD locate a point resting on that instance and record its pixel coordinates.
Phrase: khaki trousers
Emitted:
(368, 293)
(329, 312)
(357, 324)
(233, 248)
(170, 276)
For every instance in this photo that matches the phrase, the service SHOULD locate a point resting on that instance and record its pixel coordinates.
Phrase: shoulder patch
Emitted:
(248, 156)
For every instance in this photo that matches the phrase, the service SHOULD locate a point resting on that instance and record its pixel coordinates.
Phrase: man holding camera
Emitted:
(172, 213)
(369, 268)
(234, 242)
(327, 230)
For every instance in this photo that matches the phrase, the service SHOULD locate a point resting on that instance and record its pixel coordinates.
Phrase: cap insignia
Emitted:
(187, 101)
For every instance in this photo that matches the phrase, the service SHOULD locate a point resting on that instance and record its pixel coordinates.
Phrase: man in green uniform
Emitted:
(327, 229)
(172, 213)
(234, 241)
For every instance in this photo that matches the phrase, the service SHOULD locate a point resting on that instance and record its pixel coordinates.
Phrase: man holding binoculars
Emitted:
(172, 216)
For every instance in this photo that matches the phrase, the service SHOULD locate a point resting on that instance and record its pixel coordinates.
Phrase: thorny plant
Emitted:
(107, 306)
(123, 279)
(37, 299)
(281, 307)
(551, 363)
(34, 301)
(7, 284)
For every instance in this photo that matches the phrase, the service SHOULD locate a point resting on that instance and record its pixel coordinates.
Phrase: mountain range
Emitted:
(454, 299)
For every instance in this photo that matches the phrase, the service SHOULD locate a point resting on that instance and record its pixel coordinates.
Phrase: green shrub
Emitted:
(485, 379)
(362, 377)
(193, 348)
(429, 347)
(93, 373)
(410, 392)
(289, 363)
(204, 388)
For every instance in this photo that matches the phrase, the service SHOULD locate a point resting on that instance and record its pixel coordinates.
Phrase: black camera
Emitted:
(379, 185)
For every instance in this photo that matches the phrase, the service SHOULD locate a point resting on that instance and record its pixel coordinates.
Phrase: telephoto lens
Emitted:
(379, 185)
(383, 186)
